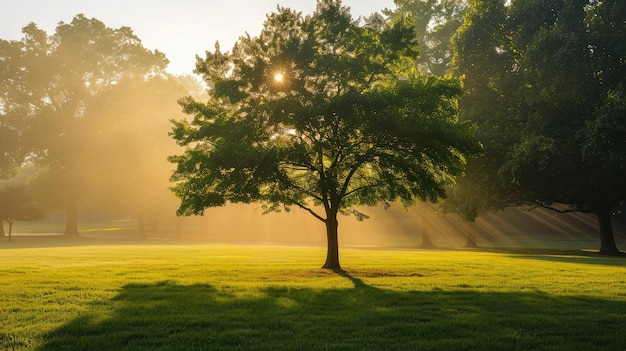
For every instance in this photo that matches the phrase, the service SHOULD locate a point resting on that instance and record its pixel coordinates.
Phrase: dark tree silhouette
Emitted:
(546, 82)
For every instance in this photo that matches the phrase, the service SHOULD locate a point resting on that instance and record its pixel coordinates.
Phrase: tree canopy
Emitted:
(546, 84)
(52, 96)
(436, 22)
(321, 113)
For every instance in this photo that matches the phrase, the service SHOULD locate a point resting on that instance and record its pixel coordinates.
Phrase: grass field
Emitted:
(96, 294)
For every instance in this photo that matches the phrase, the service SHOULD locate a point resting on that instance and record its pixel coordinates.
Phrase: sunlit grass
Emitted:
(92, 295)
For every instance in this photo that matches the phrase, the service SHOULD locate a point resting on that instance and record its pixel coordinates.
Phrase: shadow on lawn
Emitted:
(167, 316)
(562, 255)
(614, 261)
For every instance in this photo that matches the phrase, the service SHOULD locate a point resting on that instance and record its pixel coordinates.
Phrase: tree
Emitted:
(436, 22)
(481, 59)
(9, 151)
(551, 77)
(17, 204)
(12, 109)
(322, 114)
(55, 82)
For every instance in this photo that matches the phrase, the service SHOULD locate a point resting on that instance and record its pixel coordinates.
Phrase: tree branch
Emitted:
(308, 193)
(346, 182)
(308, 210)
(298, 165)
(552, 208)
(357, 190)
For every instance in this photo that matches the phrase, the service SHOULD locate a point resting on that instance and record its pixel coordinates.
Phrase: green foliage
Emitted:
(53, 100)
(549, 111)
(184, 297)
(10, 153)
(319, 112)
(436, 22)
(480, 57)
(605, 141)
(562, 97)
(349, 123)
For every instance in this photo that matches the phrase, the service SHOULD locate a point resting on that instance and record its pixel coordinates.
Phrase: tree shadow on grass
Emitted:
(563, 255)
(613, 261)
(168, 316)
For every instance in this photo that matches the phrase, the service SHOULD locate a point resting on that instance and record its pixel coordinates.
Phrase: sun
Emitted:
(279, 77)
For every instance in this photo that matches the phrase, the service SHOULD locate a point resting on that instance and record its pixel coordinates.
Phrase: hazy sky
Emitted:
(179, 28)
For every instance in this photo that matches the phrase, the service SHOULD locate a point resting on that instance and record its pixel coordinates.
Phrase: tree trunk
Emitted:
(152, 226)
(422, 226)
(2, 234)
(141, 222)
(426, 242)
(607, 240)
(71, 220)
(10, 228)
(470, 242)
(332, 253)
(470, 235)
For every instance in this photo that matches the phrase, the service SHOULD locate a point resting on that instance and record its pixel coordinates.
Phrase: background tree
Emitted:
(546, 84)
(58, 82)
(436, 22)
(9, 150)
(479, 57)
(13, 108)
(17, 203)
(320, 113)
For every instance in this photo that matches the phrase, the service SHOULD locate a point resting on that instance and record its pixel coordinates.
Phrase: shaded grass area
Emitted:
(166, 316)
(238, 297)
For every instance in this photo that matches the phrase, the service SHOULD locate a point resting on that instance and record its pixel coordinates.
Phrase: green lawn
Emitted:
(94, 294)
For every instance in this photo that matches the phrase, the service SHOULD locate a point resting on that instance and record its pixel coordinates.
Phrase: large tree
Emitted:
(546, 82)
(320, 113)
(55, 82)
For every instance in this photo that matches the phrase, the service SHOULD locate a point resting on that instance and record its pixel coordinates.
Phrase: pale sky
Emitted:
(179, 28)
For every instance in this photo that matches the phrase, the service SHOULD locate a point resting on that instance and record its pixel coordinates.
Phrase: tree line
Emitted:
(483, 103)
(545, 83)
(84, 123)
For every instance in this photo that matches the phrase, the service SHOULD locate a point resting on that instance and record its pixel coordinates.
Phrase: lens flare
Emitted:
(279, 77)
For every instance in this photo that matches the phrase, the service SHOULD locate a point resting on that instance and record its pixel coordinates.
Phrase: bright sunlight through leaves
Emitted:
(279, 77)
